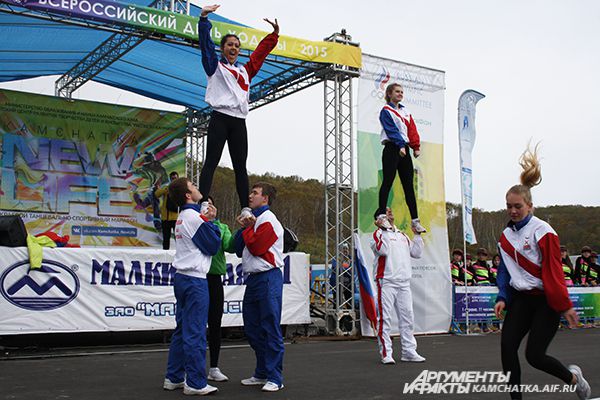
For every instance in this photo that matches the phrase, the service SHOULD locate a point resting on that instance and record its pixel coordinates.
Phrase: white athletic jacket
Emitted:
(393, 251)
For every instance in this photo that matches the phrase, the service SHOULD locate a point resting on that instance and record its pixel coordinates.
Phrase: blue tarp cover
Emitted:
(31, 47)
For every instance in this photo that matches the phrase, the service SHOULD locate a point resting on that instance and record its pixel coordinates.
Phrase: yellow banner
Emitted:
(299, 49)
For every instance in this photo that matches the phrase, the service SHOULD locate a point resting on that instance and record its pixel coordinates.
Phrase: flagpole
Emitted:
(462, 197)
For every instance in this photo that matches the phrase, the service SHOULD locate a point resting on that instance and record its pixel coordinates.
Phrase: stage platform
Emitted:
(313, 369)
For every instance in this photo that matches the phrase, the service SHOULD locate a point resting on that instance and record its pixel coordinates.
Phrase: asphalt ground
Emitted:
(313, 369)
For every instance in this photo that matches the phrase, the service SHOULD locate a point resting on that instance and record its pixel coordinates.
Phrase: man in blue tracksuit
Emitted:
(197, 240)
(260, 244)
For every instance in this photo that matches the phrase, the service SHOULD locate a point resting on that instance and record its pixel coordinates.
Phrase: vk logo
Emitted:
(52, 286)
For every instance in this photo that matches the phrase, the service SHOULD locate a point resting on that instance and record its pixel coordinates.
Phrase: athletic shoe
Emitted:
(168, 385)
(416, 358)
(388, 360)
(417, 225)
(245, 213)
(582, 387)
(271, 387)
(199, 392)
(215, 374)
(252, 381)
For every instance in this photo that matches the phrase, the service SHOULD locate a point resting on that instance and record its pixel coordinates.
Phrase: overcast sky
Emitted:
(537, 62)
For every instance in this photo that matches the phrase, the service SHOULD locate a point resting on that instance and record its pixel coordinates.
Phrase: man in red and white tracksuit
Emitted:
(260, 244)
(393, 251)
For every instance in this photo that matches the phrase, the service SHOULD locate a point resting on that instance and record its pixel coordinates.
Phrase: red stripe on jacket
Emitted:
(414, 140)
(532, 268)
(378, 241)
(380, 267)
(259, 242)
(239, 78)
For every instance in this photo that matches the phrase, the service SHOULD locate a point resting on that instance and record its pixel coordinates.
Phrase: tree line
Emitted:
(300, 206)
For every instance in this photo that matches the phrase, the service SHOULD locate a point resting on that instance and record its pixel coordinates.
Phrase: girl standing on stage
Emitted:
(398, 135)
(227, 94)
(531, 286)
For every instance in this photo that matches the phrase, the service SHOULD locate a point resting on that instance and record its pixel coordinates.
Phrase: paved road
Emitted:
(313, 370)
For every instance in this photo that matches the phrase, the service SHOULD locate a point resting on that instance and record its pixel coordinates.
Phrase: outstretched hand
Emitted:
(209, 9)
(275, 25)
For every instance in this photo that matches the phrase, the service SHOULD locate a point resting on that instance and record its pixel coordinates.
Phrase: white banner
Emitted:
(466, 140)
(118, 289)
(424, 97)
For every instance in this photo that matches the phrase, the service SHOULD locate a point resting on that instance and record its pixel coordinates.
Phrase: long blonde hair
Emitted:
(530, 176)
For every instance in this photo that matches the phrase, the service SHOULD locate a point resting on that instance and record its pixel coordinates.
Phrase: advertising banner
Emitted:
(186, 26)
(101, 289)
(466, 139)
(424, 97)
(87, 170)
(586, 301)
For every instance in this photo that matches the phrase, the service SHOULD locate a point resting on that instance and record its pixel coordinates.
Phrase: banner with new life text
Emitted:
(117, 289)
(85, 169)
(466, 139)
(424, 97)
(186, 26)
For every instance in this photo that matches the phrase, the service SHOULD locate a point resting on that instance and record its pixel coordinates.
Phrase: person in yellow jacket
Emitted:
(168, 210)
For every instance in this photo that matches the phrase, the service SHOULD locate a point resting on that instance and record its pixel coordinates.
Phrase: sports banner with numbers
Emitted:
(185, 26)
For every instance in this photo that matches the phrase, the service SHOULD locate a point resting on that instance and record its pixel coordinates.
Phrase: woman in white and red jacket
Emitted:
(398, 135)
(227, 92)
(532, 287)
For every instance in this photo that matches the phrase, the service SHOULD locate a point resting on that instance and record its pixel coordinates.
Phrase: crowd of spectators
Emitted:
(483, 271)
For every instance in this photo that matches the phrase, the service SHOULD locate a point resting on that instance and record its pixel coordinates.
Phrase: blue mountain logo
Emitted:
(52, 286)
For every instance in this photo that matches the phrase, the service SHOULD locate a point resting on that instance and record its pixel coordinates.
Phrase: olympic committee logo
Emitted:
(380, 82)
(52, 286)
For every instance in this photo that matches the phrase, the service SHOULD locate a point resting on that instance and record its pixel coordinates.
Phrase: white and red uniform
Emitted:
(531, 255)
(264, 244)
(392, 270)
(398, 126)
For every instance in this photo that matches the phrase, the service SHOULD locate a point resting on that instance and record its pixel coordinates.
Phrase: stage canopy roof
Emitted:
(31, 47)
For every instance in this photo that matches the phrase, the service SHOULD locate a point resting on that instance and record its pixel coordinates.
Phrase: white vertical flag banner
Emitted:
(466, 138)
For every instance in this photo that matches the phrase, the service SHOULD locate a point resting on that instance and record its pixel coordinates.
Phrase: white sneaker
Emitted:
(252, 381)
(215, 374)
(415, 223)
(199, 392)
(416, 358)
(582, 388)
(245, 213)
(388, 360)
(271, 387)
(168, 385)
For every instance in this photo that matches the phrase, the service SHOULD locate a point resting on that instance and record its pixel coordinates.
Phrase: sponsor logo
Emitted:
(52, 286)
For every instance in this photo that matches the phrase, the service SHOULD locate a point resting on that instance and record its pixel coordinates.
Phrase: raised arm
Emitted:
(257, 58)
(207, 47)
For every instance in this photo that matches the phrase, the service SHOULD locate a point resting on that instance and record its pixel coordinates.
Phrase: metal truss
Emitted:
(339, 196)
(95, 62)
(413, 76)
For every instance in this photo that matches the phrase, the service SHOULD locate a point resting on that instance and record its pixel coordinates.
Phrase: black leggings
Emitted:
(530, 313)
(167, 227)
(224, 128)
(215, 314)
(392, 162)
